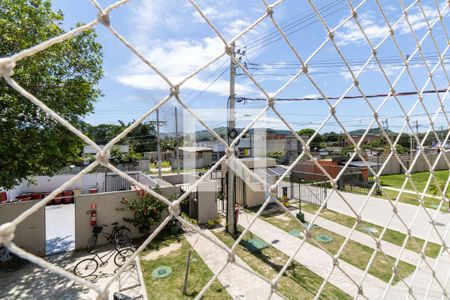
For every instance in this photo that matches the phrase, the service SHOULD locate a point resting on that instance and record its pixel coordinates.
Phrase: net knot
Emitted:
(229, 50)
(174, 209)
(333, 110)
(229, 152)
(271, 101)
(274, 285)
(7, 66)
(360, 290)
(378, 245)
(395, 270)
(305, 69)
(335, 261)
(102, 157)
(269, 11)
(104, 19)
(331, 35)
(334, 184)
(273, 191)
(231, 257)
(174, 90)
(7, 233)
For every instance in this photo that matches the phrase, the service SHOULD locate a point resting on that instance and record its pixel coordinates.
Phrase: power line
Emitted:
(286, 24)
(400, 94)
(288, 30)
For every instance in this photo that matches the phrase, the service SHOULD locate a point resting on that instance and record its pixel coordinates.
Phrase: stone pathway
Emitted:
(239, 283)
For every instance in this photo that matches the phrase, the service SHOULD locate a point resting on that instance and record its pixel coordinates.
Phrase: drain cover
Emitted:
(296, 233)
(324, 239)
(161, 272)
(254, 245)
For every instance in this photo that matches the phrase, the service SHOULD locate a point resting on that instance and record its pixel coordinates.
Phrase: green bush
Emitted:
(146, 210)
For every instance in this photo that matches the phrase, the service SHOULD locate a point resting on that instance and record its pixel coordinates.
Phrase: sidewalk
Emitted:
(239, 283)
(317, 260)
(393, 250)
(378, 211)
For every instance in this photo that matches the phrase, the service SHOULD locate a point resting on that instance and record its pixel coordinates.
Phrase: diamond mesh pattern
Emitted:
(7, 65)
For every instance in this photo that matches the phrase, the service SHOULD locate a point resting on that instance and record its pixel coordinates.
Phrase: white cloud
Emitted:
(154, 82)
(178, 44)
(376, 28)
(236, 27)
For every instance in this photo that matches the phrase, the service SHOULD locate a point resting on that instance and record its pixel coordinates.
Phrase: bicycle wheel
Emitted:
(122, 255)
(5, 255)
(92, 242)
(123, 237)
(86, 267)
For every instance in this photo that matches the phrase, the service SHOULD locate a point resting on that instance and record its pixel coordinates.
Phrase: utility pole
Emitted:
(177, 153)
(386, 123)
(158, 148)
(231, 220)
(417, 130)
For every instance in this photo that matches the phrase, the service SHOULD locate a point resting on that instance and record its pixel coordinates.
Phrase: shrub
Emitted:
(146, 211)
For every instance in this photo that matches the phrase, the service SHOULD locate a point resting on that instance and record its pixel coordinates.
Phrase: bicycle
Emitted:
(120, 236)
(9, 262)
(89, 266)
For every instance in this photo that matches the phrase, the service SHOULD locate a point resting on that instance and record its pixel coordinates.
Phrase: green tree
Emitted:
(142, 138)
(65, 77)
(309, 133)
(118, 157)
(276, 155)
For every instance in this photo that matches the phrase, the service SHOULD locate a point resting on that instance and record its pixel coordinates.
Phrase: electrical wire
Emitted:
(400, 94)
(275, 37)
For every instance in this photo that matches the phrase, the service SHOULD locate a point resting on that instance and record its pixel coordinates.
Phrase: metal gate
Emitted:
(305, 189)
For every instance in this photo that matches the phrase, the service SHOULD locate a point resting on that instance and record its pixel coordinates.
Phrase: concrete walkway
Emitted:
(378, 211)
(239, 283)
(393, 250)
(317, 260)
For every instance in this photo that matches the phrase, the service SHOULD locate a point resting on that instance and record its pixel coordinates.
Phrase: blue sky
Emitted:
(173, 36)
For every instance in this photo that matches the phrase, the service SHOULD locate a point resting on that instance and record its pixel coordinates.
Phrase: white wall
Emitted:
(49, 184)
(207, 201)
(108, 211)
(394, 167)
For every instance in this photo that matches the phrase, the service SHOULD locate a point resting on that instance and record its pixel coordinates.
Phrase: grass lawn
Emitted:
(171, 287)
(420, 179)
(353, 253)
(164, 164)
(391, 236)
(297, 283)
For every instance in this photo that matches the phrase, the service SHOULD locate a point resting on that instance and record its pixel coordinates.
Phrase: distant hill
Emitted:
(372, 131)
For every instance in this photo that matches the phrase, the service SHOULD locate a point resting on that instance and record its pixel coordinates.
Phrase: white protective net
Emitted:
(436, 282)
